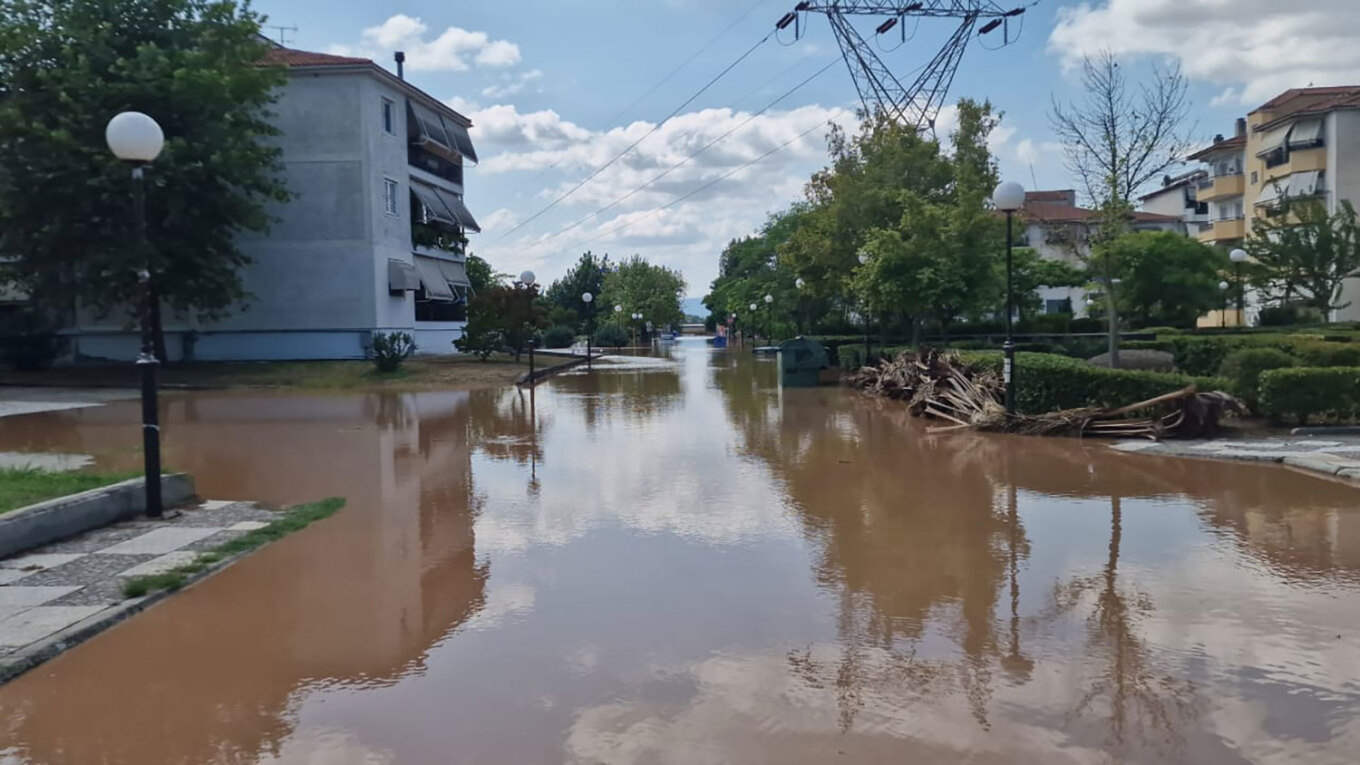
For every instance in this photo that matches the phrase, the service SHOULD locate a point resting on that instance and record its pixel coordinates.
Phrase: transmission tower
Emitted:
(918, 102)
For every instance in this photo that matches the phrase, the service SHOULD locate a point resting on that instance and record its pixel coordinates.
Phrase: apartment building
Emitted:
(374, 239)
(1059, 229)
(1301, 144)
(1178, 197)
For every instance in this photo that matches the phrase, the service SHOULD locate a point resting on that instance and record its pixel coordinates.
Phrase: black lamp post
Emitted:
(589, 300)
(769, 318)
(1238, 257)
(136, 139)
(1223, 307)
(1009, 197)
(527, 279)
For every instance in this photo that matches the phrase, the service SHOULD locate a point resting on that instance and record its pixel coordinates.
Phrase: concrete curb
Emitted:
(47, 522)
(1323, 464)
(34, 654)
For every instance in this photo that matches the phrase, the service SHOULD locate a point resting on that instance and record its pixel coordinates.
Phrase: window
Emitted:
(1063, 305)
(389, 116)
(1237, 209)
(1253, 177)
(439, 310)
(391, 189)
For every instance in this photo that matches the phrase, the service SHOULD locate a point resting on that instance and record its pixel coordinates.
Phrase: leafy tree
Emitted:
(1166, 278)
(193, 65)
(1307, 253)
(586, 276)
(501, 317)
(480, 274)
(653, 290)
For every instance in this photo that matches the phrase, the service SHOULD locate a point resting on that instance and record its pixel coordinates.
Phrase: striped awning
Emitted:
(401, 276)
(432, 279)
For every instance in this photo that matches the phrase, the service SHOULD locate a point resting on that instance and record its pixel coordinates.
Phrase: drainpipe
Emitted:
(401, 61)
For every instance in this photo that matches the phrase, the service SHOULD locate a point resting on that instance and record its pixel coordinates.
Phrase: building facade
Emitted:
(373, 240)
(1178, 197)
(1058, 229)
(1302, 144)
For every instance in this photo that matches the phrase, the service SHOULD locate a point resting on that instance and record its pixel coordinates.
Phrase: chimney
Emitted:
(1241, 127)
(1218, 138)
(1166, 180)
(401, 60)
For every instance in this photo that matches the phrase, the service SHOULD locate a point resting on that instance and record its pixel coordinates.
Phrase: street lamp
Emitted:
(637, 317)
(589, 300)
(864, 306)
(769, 317)
(1238, 257)
(1009, 197)
(1223, 305)
(527, 279)
(136, 139)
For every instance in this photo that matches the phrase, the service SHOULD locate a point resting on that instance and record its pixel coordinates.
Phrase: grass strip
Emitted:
(22, 486)
(294, 519)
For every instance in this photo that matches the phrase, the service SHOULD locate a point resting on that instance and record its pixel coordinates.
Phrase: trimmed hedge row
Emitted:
(1047, 383)
(1303, 393)
(1204, 355)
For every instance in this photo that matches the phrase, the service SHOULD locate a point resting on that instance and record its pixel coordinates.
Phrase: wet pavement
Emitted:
(681, 563)
(1337, 456)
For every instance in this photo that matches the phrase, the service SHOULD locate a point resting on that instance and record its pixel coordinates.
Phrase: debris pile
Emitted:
(938, 385)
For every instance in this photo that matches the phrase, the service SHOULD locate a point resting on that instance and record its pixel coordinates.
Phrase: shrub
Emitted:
(611, 334)
(559, 336)
(480, 343)
(1328, 354)
(1047, 383)
(390, 349)
(1243, 369)
(1289, 315)
(1160, 331)
(1304, 393)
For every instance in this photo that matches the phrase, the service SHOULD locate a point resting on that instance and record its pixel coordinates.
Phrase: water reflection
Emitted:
(685, 563)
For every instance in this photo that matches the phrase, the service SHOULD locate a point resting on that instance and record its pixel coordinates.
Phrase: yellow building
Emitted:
(1301, 144)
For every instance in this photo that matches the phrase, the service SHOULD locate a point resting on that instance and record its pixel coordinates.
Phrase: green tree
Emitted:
(480, 274)
(1166, 278)
(1307, 252)
(502, 317)
(194, 65)
(586, 276)
(654, 291)
(1031, 272)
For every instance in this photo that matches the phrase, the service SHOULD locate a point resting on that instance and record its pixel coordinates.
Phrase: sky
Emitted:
(556, 90)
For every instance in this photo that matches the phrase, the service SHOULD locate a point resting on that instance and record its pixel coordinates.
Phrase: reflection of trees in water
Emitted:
(628, 395)
(1128, 687)
(505, 424)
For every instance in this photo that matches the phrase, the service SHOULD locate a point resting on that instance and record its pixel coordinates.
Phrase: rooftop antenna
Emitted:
(283, 32)
(1032, 179)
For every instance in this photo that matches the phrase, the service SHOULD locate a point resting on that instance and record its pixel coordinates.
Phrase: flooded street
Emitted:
(677, 562)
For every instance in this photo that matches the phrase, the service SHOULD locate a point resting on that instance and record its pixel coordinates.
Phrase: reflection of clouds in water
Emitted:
(326, 746)
(504, 603)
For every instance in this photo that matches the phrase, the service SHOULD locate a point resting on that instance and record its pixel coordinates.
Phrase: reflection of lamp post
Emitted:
(864, 306)
(1238, 257)
(136, 139)
(1009, 197)
(589, 299)
(1223, 305)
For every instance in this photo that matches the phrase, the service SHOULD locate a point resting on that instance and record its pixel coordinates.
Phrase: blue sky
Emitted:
(553, 90)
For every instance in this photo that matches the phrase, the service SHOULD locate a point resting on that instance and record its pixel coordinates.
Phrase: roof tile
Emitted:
(291, 57)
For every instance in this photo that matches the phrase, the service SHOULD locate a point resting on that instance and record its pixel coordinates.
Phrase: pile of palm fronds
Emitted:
(936, 384)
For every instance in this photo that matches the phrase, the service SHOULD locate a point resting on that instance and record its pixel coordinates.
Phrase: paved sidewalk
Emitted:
(24, 400)
(1330, 455)
(58, 595)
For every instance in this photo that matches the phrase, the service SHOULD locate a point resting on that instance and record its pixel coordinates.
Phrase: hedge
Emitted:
(1243, 367)
(1204, 354)
(1303, 393)
(1047, 383)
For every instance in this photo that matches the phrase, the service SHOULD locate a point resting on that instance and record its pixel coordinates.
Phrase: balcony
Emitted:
(1223, 230)
(435, 165)
(1221, 186)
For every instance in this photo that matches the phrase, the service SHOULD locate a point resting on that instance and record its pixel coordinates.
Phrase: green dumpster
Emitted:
(800, 362)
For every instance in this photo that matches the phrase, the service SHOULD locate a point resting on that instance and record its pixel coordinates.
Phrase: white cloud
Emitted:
(453, 50)
(510, 85)
(1261, 46)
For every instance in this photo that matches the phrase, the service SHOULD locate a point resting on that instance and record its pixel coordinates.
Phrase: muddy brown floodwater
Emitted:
(681, 563)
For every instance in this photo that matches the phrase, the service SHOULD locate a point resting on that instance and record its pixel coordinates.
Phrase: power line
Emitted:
(613, 120)
(686, 160)
(644, 137)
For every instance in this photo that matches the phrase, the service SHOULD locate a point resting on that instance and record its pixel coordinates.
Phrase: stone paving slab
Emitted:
(54, 463)
(1337, 456)
(58, 595)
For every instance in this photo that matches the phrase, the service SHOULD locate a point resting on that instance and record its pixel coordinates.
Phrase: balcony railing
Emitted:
(434, 164)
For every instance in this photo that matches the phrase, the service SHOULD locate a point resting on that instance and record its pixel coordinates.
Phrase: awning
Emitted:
(1272, 191)
(439, 135)
(462, 141)
(1272, 140)
(454, 273)
(401, 276)
(460, 211)
(1306, 183)
(1305, 133)
(436, 287)
(435, 206)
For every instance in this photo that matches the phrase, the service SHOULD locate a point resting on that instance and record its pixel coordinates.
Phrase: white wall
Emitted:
(1343, 183)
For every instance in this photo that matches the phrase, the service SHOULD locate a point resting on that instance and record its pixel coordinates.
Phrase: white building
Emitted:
(1058, 229)
(372, 241)
(1178, 197)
